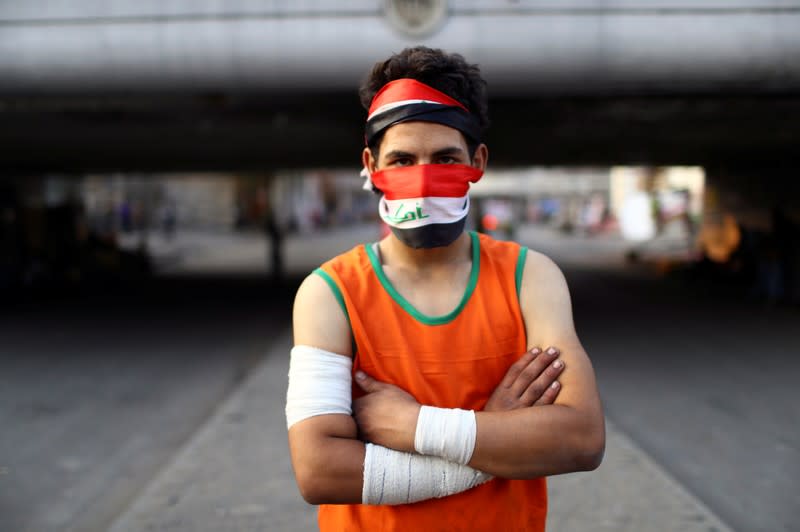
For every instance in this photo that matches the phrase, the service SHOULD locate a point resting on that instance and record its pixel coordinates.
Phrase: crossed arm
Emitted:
(516, 436)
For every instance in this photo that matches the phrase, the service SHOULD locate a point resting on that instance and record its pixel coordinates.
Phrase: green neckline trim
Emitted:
(336, 292)
(408, 307)
(523, 253)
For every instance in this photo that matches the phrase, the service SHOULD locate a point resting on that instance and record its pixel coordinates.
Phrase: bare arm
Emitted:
(568, 435)
(331, 465)
(526, 442)
(327, 457)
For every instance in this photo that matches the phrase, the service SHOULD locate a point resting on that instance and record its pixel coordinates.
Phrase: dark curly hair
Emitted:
(448, 73)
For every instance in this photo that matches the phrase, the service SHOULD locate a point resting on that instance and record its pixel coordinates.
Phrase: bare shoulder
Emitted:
(318, 320)
(547, 312)
(545, 301)
(543, 281)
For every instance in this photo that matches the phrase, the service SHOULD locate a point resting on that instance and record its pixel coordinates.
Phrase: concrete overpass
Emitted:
(202, 84)
(147, 85)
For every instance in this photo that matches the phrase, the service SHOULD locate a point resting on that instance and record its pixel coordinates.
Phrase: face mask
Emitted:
(425, 206)
(430, 236)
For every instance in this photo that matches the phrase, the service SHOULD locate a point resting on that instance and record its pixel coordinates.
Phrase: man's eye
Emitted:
(447, 160)
(401, 162)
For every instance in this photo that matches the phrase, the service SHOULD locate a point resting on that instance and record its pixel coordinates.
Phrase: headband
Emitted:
(405, 100)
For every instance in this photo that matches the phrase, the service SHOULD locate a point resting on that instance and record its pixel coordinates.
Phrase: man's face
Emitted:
(412, 143)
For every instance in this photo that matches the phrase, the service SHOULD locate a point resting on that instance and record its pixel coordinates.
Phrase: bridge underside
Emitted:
(265, 132)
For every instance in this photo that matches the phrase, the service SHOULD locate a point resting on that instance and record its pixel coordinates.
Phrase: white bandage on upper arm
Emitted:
(320, 382)
(449, 433)
(395, 477)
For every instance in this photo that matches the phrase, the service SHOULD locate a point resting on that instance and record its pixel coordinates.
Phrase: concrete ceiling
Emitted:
(266, 132)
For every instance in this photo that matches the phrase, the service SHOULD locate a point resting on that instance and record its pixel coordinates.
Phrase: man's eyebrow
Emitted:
(450, 150)
(398, 154)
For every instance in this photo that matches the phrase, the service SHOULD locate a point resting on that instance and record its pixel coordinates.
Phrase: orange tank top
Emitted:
(451, 361)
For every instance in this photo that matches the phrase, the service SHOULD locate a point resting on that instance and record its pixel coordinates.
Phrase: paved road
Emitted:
(234, 475)
(246, 253)
(95, 397)
(100, 403)
(702, 379)
(98, 392)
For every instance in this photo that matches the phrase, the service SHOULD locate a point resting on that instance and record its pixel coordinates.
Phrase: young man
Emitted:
(454, 418)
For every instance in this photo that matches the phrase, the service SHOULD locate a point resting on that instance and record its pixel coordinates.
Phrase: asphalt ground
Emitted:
(97, 392)
(699, 375)
(235, 475)
(100, 397)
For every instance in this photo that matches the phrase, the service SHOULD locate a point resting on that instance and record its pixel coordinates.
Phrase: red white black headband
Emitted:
(405, 100)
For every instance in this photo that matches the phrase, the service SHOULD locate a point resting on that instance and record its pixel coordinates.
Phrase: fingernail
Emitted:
(558, 364)
(554, 385)
(360, 375)
(551, 351)
(536, 350)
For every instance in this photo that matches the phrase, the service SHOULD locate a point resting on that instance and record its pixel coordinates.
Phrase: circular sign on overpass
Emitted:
(415, 18)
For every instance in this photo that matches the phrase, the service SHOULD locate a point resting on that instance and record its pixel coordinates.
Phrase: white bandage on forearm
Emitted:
(448, 433)
(319, 383)
(395, 477)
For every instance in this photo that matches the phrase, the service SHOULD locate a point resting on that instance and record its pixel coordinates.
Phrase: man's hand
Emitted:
(386, 415)
(530, 381)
